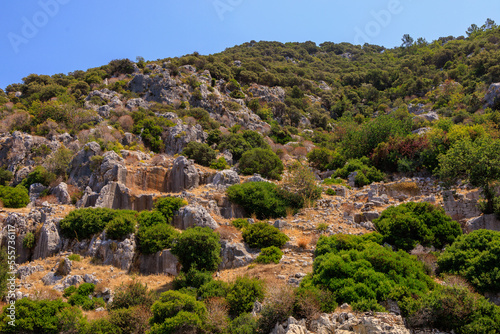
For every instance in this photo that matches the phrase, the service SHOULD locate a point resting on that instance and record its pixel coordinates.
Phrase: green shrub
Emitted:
(155, 238)
(169, 205)
(408, 224)
(38, 175)
(246, 323)
(83, 223)
(269, 254)
(311, 300)
(455, 308)
(41, 316)
(82, 296)
(176, 312)
(331, 192)
(198, 247)
(201, 153)
(240, 223)
(74, 257)
(121, 226)
(262, 161)
(325, 159)
(475, 257)
(5, 177)
(132, 294)
(29, 240)
(239, 143)
(366, 174)
(213, 289)
(193, 278)
(219, 164)
(243, 293)
(151, 218)
(17, 197)
(99, 326)
(263, 235)
(264, 199)
(69, 291)
(58, 163)
(359, 270)
(134, 320)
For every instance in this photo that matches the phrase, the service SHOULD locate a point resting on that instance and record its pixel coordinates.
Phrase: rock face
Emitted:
(163, 262)
(111, 169)
(114, 196)
(61, 193)
(64, 267)
(268, 94)
(49, 242)
(80, 167)
(183, 175)
(345, 323)
(235, 255)
(487, 222)
(194, 215)
(491, 97)
(177, 137)
(461, 206)
(225, 178)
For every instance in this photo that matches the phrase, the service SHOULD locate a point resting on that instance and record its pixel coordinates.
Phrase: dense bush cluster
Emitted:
(475, 257)
(410, 223)
(263, 235)
(198, 247)
(365, 174)
(14, 197)
(261, 161)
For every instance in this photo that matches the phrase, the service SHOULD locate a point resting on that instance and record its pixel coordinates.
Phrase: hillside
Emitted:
(270, 188)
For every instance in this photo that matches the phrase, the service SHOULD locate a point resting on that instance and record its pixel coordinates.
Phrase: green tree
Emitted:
(17, 197)
(262, 161)
(198, 247)
(201, 153)
(243, 293)
(262, 235)
(475, 161)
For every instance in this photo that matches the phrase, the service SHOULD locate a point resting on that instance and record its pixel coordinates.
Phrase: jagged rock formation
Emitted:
(461, 206)
(162, 262)
(487, 222)
(49, 242)
(236, 255)
(81, 167)
(491, 97)
(194, 215)
(183, 175)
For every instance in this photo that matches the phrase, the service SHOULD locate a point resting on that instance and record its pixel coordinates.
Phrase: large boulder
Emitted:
(111, 169)
(236, 255)
(49, 242)
(80, 168)
(177, 137)
(491, 97)
(162, 262)
(194, 215)
(268, 94)
(114, 196)
(183, 175)
(112, 252)
(486, 222)
(61, 193)
(226, 178)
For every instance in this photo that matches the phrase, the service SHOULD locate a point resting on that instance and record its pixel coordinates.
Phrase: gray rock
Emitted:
(226, 178)
(80, 167)
(50, 279)
(64, 267)
(491, 97)
(177, 137)
(91, 279)
(430, 116)
(256, 178)
(136, 103)
(111, 169)
(61, 193)
(104, 111)
(70, 281)
(111, 252)
(235, 255)
(268, 94)
(36, 189)
(114, 196)
(183, 175)
(487, 222)
(194, 215)
(88, 199)
(25, 271)
(351, 179)
(280, 224)
(163, 262)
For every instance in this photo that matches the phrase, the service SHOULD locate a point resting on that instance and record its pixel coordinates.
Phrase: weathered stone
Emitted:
(183, 175)
(163, 262)
(256, 178)
(64, 267)
(80, 167)
(50, 279)
(352, 179)
(226, 178)
(114, 196)
(91, 279)
(112, 252)
(25, 271)
(61, 193)
(177, 137)
(491, 97)
(235, 255)
(36, 189)
(194, 215)
(487, 222)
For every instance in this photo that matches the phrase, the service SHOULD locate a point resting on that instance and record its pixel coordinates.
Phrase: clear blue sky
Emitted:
(37, 36)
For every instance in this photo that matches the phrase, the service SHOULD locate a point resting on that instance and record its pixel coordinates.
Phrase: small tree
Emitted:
(201, 153)
(476, 161)
(198, 247)
(262, 161)
(243, 293)
(262, 235)
(302, 181)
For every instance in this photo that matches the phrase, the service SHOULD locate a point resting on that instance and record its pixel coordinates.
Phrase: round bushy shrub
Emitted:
(262, 235)
(408, 224)
(192, 279)
(38, 175)
(475, 257)
(201, 153)
(155, 238)
(264, 199)
(240, 223)
(168, 205)
(132, 294)
(269, 254)
(29, 240)
(198, 247)
(243, 293)
(261, 161)
(176, 312)
(213, 289)
(83, 223)
(17, 197)
(121, 226)
(151, 218)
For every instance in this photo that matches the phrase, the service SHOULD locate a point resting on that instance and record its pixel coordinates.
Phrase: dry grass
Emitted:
(229, 232)
(303, 242)
(349, 208)
(408, 188)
